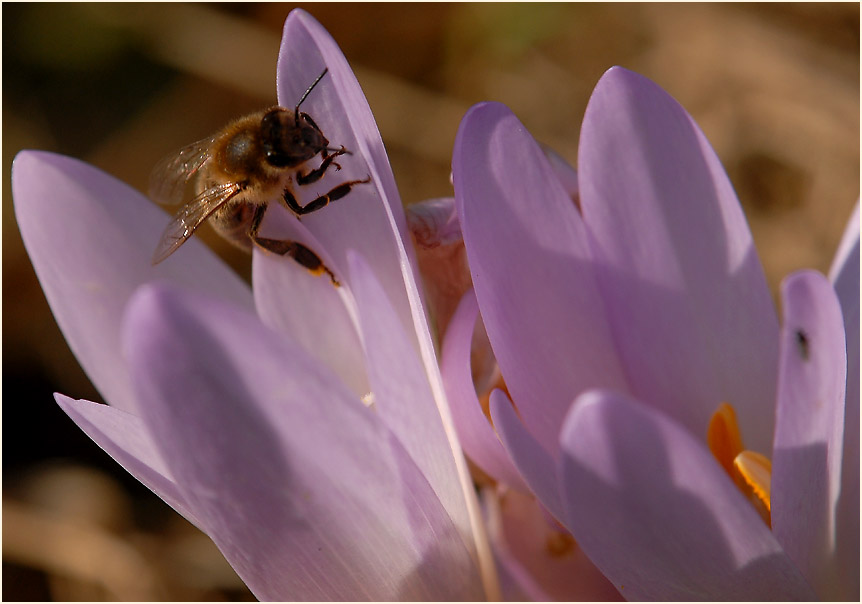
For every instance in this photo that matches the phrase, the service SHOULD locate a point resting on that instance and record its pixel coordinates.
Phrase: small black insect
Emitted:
(802, 344)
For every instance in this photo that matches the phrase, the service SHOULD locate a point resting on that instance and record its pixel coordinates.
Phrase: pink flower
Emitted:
(620, 326)
(301, 426)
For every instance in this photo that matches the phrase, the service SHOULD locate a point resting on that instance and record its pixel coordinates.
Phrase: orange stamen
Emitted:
(723, 437)
(752, 472)
(755, 470)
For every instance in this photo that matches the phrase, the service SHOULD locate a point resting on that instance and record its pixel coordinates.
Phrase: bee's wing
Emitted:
(169, 177)
(191, 216)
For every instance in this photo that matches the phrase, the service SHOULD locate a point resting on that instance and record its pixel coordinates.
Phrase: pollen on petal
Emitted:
(723, 437)
(756, 471)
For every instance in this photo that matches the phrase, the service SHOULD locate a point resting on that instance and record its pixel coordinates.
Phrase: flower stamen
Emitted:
(750, 471)
(756, 471)
(724, 439)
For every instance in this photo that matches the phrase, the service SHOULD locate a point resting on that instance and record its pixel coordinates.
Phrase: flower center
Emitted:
(750, 471)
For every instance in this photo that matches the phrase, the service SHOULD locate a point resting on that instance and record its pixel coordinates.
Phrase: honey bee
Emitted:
(238, 171)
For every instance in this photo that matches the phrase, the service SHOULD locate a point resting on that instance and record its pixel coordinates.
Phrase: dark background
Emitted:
(775, 87)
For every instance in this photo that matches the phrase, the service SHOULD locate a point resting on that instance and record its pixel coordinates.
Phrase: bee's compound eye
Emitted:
(272, 125)
(275, 128)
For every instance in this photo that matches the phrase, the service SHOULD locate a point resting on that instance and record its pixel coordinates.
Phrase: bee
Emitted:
(238, 171)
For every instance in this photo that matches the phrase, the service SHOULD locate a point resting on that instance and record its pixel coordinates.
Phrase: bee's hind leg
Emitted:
(283, 247)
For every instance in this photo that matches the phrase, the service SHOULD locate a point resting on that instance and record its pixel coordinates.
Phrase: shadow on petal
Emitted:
(658, 516)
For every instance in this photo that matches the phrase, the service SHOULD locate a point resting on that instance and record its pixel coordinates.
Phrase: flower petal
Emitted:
(688, 301)
(305, 492)
(308, 307)
(532, 273)
(656, 513)
(809, 430)
(532, 460)
(403, 398)
(845, 278)
(564, 171)
(370, 219)
(90, 238)
(124, 437)
(475, 432)
(546, 564)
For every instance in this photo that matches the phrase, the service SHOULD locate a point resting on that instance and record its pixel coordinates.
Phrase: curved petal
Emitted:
(370, 219)
(670, 235)
(476, 434)
(564, 171)
(845, 278)
(305, 492)
(544, 563)
(809, 429)
(532, 271)
(656, 513)
(308, 307)
(124, 437)
(90, 238)
(403, 398)
(532, 460)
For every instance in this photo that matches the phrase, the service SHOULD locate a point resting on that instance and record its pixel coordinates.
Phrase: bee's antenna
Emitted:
(310, 88)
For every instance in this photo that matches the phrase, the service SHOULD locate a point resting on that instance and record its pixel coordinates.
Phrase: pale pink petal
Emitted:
(124, 437)
(658, 515)
(543, 561)
(403, 398)
(308, 307)
(90, 238)
(809, 429)
(691, 312)
(533, 461)
(306, 493)
(532, 270)
(564, 171)
(475, 432)
(370, 219)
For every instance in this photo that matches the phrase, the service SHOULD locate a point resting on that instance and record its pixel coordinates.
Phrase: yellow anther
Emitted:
(755, 470)
(750, 471)
(723, 437)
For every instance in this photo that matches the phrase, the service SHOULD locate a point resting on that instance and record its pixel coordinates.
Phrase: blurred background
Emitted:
(774, 86)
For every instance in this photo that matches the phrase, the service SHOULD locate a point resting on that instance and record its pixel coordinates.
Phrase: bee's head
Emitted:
(290, 138)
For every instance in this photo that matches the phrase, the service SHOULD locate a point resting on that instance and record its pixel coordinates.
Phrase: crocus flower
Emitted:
(645, 382)
(301, 426)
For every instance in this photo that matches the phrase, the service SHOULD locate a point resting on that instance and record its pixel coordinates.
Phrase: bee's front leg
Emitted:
(328, 160)
(322, 201)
